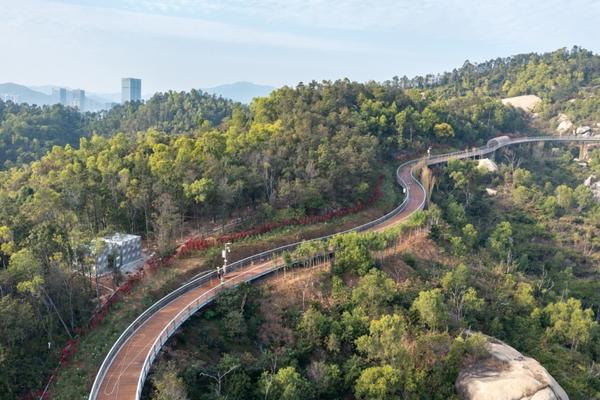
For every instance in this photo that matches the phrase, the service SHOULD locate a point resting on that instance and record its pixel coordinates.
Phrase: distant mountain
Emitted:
(23, 94)
(243, 92)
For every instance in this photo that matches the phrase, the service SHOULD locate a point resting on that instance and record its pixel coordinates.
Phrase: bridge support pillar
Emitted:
(583, 151)
(538, 148)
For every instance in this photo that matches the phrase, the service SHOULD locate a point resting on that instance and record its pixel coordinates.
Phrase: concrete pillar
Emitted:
(538, 149)
(583, 151)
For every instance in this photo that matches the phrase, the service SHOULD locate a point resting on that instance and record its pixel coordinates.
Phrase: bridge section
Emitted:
(124, 370)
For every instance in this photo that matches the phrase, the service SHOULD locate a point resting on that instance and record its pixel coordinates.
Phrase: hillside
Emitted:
(183, 161)
(387, 317)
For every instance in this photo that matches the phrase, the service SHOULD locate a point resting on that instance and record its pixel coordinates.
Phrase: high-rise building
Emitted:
(59, 95)
(131, 89)
(78, 99)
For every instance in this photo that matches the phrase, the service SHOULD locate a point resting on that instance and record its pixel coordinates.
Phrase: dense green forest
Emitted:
(520, 266)
(303, 150)
(28, 132)
(152, 167)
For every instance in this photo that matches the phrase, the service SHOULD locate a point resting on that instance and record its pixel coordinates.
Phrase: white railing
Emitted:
(272, 254)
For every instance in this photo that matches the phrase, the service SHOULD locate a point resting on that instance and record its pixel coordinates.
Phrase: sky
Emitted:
(184, 44)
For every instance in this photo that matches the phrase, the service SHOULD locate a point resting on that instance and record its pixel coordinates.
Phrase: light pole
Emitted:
(224, 252)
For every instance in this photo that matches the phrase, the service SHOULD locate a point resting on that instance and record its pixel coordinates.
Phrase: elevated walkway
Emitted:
(128, 362)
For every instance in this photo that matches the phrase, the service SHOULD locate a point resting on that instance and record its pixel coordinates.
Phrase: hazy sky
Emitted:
(181, 44)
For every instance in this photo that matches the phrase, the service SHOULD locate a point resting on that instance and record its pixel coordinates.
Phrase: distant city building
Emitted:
(131, 89)
(78, 99)
(119, 251)
(59, 95)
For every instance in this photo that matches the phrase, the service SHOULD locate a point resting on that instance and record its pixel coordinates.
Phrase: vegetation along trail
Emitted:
(128, 362)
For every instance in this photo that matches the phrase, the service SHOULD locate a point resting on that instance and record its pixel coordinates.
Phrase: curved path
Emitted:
(126, 366)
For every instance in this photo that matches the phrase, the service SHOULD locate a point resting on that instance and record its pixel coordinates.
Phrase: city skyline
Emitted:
(188, 44)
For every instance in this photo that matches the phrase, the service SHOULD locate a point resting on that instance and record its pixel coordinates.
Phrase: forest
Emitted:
(520, 266)
(151, 168)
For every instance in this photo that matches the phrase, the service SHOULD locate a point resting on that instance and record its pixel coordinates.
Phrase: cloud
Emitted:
(478, 20)
(49, 17)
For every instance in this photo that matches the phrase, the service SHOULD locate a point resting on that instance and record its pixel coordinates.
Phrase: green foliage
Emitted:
(443, 130)
(374, 292)
(286, 384)
(353, 251)
(462, 297)
(385, 341)
(326, 379)
(169, 386)
(304, 150)
(378, 383)
(564, 196)
(431, 308)
(313, 328)
(569, 323)
(583, 197)
(501, 241)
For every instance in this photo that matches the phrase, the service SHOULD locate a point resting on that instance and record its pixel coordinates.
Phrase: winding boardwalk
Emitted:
(122, 375)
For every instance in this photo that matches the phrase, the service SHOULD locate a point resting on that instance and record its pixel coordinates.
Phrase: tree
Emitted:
(165, 222)
(406, 124)
(313, 328)
(462, 297)
(584, 197)
(378, 383)
(431, 308)
(199, 190)
(385, 341)
(353, 251)
(470, 236)
(169, 386)
(226, 366)
(443, 130)
(501, 241)
(569, 322)
(564, 196)
(286, 384)
(7, 245)
(550, 206)
(374, 292)
(521, 177)
(326, 379)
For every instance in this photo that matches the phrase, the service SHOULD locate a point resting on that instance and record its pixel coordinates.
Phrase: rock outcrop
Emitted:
(507, 375)
(583, 130)
(564, 124)
(487, 165)
(594, 184)
(527, 102)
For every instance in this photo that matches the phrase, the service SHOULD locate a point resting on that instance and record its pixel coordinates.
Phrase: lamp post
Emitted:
(224, 252)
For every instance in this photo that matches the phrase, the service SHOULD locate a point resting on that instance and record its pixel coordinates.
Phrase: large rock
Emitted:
(582, 130)
(487, 165)
(507, 375)
(527, 102)
(594, 184)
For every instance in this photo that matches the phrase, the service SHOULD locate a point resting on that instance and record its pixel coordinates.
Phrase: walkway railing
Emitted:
(276, 253)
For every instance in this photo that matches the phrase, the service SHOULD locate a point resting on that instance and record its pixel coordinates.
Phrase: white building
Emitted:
(119, 251)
